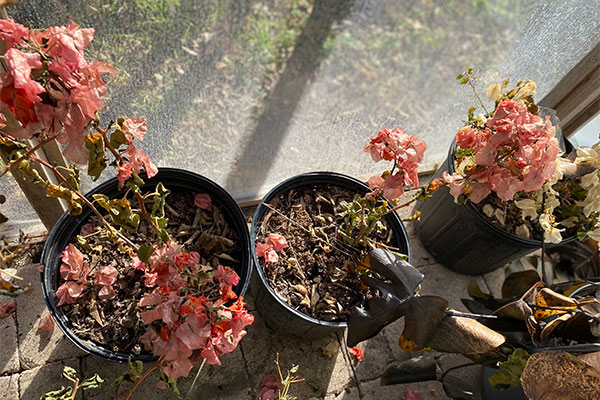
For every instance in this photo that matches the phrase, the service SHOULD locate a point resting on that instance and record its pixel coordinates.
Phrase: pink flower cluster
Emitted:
(405, 151)
(136, 160)
(275, 243)
(74, 271)
(515, 151)
(49, 86)
(191, 314)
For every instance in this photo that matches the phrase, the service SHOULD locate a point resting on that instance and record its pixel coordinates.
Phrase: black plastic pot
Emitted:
(462, 238)
(278, 315)
(68, 226)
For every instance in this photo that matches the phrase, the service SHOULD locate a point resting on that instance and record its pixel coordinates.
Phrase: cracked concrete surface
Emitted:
(31, 361)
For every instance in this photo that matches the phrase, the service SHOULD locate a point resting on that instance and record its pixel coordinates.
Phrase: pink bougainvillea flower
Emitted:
(139, 160)
(276, 241)
(107, 276)
(106, 293)
(138, 264)
(203, 200)
(412, 394)
(269, 387)
(226, 276)
(46, 323)
(123, 173)
(7, 308)
(136, 127)
(12, 33)
(68, 293)
(2, 120)
(266, 250)
(357, 353)
(74, 266)
(455, 182)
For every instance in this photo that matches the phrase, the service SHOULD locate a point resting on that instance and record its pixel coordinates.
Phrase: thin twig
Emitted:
(478, 98)
(196, 377)
(349, 360)
(306, 230)
(454, 313)
(75, 389)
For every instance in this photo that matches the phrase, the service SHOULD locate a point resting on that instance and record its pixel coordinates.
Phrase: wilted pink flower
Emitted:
(46, 323)
(276, 241)
(7, 308)
(106, 293)
(68, 293)
(123, 173)
(106, 276)
(12, 33)
(266, 250)
(202, 200)
(136, 127)
(226, 276)
(73, 267)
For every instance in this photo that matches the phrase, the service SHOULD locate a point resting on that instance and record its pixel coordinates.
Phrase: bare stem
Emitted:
(478, 98)
(75, 389)
(29, 152)
(142, 377)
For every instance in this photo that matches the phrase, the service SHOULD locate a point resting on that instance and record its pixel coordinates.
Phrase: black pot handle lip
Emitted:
(260, 210)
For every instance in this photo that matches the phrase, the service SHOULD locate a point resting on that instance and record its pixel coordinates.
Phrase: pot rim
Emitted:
(276, 190)
(46, 279)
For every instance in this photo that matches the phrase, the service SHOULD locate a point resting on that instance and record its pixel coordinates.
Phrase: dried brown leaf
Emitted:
(558, 375)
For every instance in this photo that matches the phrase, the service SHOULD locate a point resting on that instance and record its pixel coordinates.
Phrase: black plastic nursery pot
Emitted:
(68, 226)
(463, 239)
(278, 315)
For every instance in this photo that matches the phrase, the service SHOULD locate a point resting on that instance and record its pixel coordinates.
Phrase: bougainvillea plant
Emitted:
(52, 93)
(511, 152)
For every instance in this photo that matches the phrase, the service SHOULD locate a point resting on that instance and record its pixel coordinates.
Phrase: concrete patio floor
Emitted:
(31, 361)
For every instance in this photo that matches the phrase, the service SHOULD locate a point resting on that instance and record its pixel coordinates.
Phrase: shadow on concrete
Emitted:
(254, 162)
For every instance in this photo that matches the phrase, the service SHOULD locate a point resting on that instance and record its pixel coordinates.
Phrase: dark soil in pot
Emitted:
(315, 277)
(111, 328)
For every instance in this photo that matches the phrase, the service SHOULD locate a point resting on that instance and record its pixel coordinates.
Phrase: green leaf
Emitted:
(97, 161)
(70, 373)
(294, 369)
(131, 375)
(417, 369)
(117, 138)
(476, 293)
(464, 80)
(145, 252)
(510, 370)
(64, 393)
(570, 211)
(92, 383)
(471, 113)
(120, 212)
(170, 384)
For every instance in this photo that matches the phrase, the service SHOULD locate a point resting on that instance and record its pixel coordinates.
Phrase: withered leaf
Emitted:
(465, 336)
(97, 161)
(416, 369)
(421, 320)
(555, 375)
(404, 277)
(517, 283)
